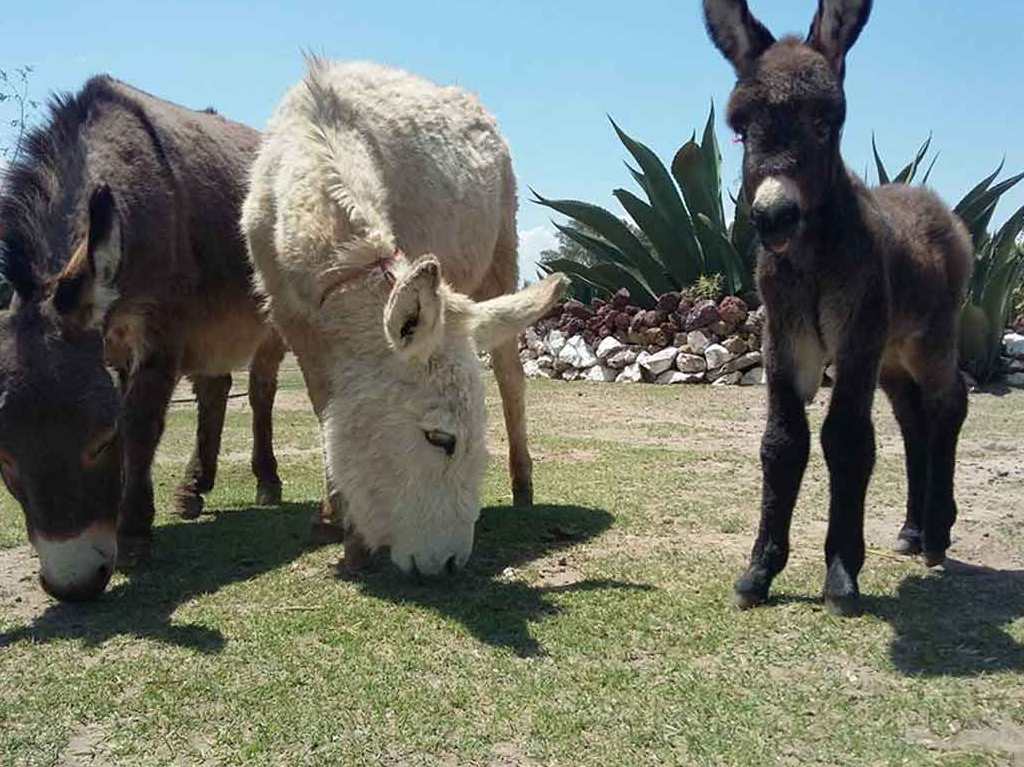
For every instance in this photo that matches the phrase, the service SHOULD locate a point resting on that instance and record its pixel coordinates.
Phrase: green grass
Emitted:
(595, 629)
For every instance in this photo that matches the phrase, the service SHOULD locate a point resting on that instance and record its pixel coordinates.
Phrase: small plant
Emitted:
(998, 274)
(681, 234)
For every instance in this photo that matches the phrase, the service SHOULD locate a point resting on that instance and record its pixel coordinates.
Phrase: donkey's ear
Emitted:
(86, 288)
(836, 27)
(414, 313)
(500, 319)
(736, 33)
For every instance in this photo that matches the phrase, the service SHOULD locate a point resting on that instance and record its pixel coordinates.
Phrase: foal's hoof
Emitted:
(751, 589)
(841, 594)
(908, 544)
(843, 606)
(189, 505)
(133, 551)
(268, 494)
(933, 558)
(522, 497)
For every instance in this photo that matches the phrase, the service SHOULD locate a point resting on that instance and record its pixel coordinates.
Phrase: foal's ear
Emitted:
(736, 33)
(414, 313)
(836, 27)
(493, 322)
(86, 288)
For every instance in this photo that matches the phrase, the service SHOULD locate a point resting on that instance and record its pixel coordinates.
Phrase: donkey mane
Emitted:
(48, 174)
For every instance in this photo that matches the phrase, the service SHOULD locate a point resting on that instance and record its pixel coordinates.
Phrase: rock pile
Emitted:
(678, 341)
(1013, 357)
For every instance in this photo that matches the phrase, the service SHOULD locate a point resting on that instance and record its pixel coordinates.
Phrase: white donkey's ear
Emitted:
(736, 32)
(500, 319)
(87, 287)
(836, 27)
(414, 313)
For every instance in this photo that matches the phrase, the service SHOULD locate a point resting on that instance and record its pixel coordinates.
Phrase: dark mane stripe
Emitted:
(52, 158)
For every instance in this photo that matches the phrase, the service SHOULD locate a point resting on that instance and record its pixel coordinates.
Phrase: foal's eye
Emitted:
(441, 439)
(822, 129)
(98, 447)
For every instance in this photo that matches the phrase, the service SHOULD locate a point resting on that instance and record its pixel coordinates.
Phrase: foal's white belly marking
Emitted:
(808, 358)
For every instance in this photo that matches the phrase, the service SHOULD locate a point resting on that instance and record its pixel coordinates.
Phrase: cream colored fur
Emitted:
(360, 162)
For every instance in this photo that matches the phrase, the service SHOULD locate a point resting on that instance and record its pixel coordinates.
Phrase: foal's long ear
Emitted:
(414, 313)
(87, 287)
(736, 33)
(836, 27)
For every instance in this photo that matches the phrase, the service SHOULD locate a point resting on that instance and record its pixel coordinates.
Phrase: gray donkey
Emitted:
(871, 279)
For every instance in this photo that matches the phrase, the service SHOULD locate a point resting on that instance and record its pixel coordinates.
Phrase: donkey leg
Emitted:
(262, 390)
(142, 423)
(946, 411)
(508, 370)
(848, 440)
(212, 399)
(905, 396)
(785, 447)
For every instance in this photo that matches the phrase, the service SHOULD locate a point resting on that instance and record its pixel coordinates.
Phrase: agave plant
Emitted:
(685, 235)
(998, 264)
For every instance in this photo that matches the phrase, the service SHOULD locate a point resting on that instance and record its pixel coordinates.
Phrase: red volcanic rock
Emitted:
(701, 315)
(597, 304)
(621, 321)
(732, 310)
(668, 302)
(573, 327)
(632, 310)
(577, 309)
(621, 299)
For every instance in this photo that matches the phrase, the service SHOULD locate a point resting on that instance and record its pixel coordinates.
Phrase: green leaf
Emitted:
(672, 253)
(713, 170)
(720, 256)
(883, 177)
(606, 253)
(744, 239)
(691, 173)
(928, 173)
(979, 189)
(906, 175)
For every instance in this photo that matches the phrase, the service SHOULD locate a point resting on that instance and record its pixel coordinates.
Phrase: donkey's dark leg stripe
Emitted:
(262, 391)
(145, 408)
(785, 447)
(908, 407)
(946, 413)
(201, 473)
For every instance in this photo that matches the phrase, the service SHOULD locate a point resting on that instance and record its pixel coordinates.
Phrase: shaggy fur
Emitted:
(377, 201)
(121, 241)
(870, 279)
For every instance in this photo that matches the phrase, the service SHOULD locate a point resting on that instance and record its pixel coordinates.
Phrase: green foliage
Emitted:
(708, 286)
(998, 273)
(678, 235)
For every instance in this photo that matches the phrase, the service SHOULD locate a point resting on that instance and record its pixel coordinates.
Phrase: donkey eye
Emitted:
(441, 439)
(99, 446)
(822, 129)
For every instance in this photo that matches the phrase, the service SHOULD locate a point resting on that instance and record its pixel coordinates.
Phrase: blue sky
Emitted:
(551, 71)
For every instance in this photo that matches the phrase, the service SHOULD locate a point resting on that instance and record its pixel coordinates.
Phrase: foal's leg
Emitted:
(212, 399)
(908, 407)
(848, 439)
(508, 370)
(262, 390)
(946, 409)
(784, 450)
(142, 424)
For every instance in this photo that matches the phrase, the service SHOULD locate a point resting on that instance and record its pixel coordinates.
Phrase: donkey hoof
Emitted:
(133, 551)
(843, 605)
(522, 497)
(268, 494)
(908, 542)
(189, 506)
(751, 589)
(933, 558)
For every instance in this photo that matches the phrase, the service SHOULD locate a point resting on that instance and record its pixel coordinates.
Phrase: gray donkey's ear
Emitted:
(736, 33)
(836, 27)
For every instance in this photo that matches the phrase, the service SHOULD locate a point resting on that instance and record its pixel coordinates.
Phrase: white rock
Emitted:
(554, 342)
(533, 370)
(1014, 344)
(744, 362)
(546, 362)
(608, 346)
(753, 377)
(600, 374)
(631, 374)
(690, 363)
(698, 341)
(717, 355)
(572, 374)
(659, 362)
(533, 342)
(729, 379)
(736, 345)
(622, 359)
(524, 355)
(1015, 379)
(671, 377)
(577, 354)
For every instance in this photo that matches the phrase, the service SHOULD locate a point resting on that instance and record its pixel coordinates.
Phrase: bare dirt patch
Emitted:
(20, 594)
(1006, 740)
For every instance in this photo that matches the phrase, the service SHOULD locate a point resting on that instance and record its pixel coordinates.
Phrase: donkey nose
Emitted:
(776, 222)
(79, 592)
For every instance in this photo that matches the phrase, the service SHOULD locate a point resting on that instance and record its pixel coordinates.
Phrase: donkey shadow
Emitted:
(189, 560)
(489, 600)
(953, 622)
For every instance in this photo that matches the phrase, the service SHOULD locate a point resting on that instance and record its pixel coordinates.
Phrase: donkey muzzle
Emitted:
(775, 212)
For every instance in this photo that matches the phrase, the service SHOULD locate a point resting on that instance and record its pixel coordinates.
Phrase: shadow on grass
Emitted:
(189, 560)
(497, 609)
(949, 622)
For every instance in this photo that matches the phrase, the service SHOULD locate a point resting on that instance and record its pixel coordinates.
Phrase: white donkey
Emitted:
(381, 221)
